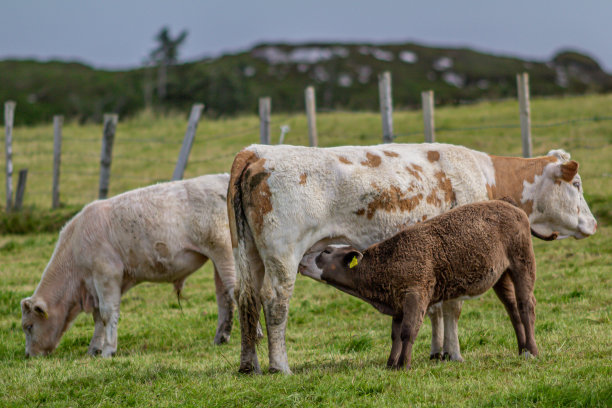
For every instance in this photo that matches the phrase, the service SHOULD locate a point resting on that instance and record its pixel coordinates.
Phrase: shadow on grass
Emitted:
(565, 395)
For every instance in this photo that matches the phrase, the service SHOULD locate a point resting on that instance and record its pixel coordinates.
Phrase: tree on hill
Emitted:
(164, 55)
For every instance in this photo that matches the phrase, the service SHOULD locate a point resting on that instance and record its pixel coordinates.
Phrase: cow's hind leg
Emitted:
(437, 331)
(97, 340)
(451, 310)
(505, 292)
(277, 291)
(225, 306)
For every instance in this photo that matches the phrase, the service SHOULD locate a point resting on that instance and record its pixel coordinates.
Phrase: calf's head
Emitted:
(43, 326)
(558, 204)
(335, 264)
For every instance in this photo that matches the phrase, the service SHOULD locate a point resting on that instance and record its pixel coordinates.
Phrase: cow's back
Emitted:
(295, 197)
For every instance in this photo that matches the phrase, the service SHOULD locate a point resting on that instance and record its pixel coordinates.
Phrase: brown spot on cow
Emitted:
(433, 156)
(511, 172)
(344, 160)
(360, 211)
(433, 199)
(414, 171)
(424, 218)
(527, 206)
(490, 191)
(372, 160)
(303, 179)
(392, 200)
(390, 154)
(446, 186)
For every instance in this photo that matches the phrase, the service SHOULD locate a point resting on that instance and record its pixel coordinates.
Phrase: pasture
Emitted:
(337, 345)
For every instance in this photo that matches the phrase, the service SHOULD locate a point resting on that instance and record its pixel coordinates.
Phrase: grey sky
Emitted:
(118, 34)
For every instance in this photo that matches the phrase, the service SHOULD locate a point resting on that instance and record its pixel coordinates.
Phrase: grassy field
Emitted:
(337, 345)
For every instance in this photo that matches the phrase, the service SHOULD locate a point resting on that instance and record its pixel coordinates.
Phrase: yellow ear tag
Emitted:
(353, 262)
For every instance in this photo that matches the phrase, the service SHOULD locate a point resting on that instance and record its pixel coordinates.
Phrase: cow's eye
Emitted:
(577, 184)
(327, 251)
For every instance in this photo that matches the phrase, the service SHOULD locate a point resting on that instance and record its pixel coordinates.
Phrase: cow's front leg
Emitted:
(107, 283)
(451, 310)
(277, 291)
(437, 331)
(97, 341)
(225, 306)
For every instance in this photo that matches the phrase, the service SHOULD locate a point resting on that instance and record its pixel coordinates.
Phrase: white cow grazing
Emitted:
(286, 203)
(161, 233)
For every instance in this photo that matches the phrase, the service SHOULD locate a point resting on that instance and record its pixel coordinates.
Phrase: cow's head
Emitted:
(43, 326)
(558, 206)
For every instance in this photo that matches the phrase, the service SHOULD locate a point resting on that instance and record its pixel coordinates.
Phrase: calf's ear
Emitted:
(352, 258)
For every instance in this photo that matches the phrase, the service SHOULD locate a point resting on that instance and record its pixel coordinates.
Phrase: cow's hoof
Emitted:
(274, 370)
(259, 332)
(435, 356)
(249, 369)
(95, 352)
(452, 357)
(221, 338)
(108, 353)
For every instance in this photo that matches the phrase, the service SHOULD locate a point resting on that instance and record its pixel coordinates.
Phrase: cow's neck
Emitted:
(59, 286)
(510, 175)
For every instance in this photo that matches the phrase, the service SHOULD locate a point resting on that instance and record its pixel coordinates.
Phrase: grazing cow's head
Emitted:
(558, 206)
(43, 327)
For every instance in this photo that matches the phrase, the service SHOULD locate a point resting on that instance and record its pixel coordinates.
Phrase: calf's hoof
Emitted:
(527, 355)
(435, 356)
(94, 352)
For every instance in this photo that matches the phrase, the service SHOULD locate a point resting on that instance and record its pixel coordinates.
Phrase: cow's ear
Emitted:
(352, 258)
(567, 171)
(40, 308)
(26, 304)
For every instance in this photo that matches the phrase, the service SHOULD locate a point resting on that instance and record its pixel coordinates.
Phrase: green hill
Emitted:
(344, 75)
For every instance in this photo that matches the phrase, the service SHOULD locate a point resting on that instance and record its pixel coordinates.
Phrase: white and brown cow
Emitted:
(160, 233)
(286, 203)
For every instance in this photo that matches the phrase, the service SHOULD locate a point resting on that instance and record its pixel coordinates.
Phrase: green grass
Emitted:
(337, 345)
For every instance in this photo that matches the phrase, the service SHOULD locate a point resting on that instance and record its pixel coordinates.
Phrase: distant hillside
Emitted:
(344, 75)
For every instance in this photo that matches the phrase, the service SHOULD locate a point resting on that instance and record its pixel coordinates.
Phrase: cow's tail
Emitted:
(246, 256)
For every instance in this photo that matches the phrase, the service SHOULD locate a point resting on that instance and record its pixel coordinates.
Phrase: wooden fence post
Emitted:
(106, 155)
(311, 112)
(58, 120)
(181, 163)
(9, 114)
(265, 107)
(386, 106)
(427, 98)
(21, 185)
(522, 82)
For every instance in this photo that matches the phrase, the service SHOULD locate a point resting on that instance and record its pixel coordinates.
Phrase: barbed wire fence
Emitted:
(73, 158)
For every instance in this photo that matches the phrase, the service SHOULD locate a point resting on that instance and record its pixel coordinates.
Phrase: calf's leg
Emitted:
(451, 310)
(526, 307)
(504, 289)
(414, 309)
(396, 345)
(437, 331)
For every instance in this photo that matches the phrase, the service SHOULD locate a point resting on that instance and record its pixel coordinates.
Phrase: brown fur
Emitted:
(303, 178)
(433, 156)
(373, 160)
(390, 200)
(344, 160)
(463, 252)
(509, 170)
(390, 154)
